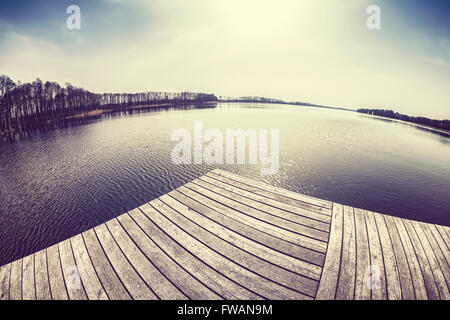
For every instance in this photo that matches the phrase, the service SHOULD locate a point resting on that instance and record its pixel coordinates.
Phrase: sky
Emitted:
(298, 50)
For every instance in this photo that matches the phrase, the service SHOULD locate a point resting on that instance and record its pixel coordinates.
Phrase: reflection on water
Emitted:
(58, 183)
(81, 119)
(439, 132)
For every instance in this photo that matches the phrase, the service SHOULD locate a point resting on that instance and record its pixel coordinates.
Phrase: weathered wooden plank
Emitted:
(258, 220)
(432, 259)
(5, 273)
(270, 255)
(241, 276)
(255, 216)
(15, 288)
(105, 272)
(444, 234)
(393, 288)
(402, 262)
(446, 228)
(378, 278)
(28, 283)
(176, 213)
(300, 200)
(347, 273)
(71, 274)
(203, 272)
(226, 236)
(91, 283)
(224, 216)
(260, 203)
(55, 274)
(137, 288)
(162, 287)
(330, 273)
(184, 281)
(440, 241)
(428, 277)
(264, 213)
(362, 289)
(288, 211)
(41, 276)
(437, 252)
(417, 278)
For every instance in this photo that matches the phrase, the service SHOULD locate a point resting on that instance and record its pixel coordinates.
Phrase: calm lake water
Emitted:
(56, 184)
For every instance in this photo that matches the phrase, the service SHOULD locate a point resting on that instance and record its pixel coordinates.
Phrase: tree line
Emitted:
(257, 99)
(438, 124)
(28, 106)
(25, 106)
(254, 99)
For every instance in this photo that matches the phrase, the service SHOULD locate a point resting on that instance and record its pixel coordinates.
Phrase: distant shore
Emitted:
(442, 126)
(99, 112)
(32, 124)
(447, 132)
(36, 106)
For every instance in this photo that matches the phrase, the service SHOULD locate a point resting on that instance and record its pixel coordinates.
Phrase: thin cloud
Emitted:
(308, 51)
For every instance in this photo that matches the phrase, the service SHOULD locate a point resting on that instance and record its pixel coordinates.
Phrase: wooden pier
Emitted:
(224, 236)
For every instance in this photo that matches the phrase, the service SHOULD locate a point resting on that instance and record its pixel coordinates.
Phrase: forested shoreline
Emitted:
(438, 124)
(28, 106)
(25, 107)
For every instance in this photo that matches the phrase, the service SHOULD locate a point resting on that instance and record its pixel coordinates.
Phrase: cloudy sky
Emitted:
(314, 51)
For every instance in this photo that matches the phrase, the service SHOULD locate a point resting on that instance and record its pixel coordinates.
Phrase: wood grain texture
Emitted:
(290, 212)
(171, 268)
(15, 288)
(41, 276)
(433, 261)
(71, 272)
(257, 249)
(56, 278)
(224, 236)
(414, 267)
(105, 272)
(226, 217)
(162, 287)
(91, 282)
(347, 273)
(401, 259)
(28, 282)
(393, 288)
(427, 273)
(436, 250)
(257, 219)
(205, 273)
(241, 257)
(5, 273)
(330, 273)
(300, 200)
(378, 269)
(134, 284)
(362, 290)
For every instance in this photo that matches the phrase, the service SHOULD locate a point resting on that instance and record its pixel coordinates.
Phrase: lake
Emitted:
(58, 183)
